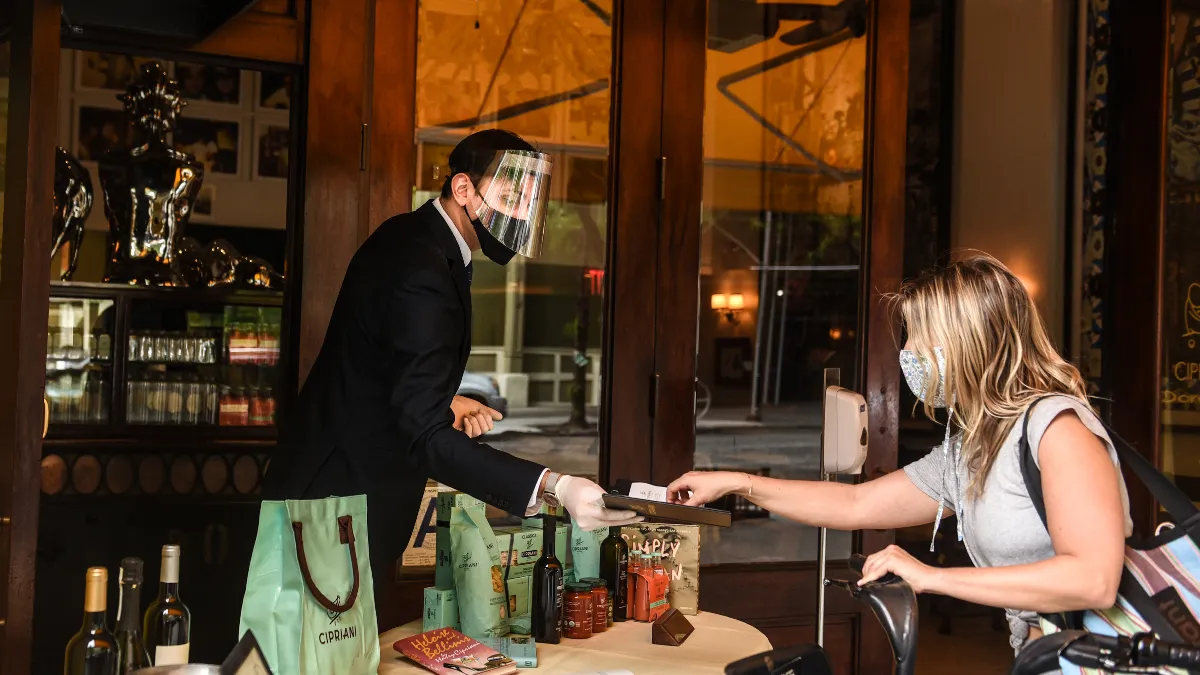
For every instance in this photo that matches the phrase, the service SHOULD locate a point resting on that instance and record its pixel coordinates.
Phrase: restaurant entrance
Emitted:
(728, 204)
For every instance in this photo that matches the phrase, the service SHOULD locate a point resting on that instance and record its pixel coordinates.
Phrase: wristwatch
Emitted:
(549, 490)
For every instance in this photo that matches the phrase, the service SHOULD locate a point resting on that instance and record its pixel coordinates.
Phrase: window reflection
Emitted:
(782, 228)
(540, 70)
(1181, 270)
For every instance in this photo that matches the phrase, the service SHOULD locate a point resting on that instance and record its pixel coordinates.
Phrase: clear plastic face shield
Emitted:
(515, 191)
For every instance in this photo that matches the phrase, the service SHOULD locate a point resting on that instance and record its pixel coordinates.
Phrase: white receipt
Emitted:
(647, 491)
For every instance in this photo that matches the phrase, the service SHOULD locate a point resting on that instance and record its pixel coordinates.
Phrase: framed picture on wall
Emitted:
(199, 82)
(99, 129)
(202, 208)
(734, 361)
(215, 143)
(274, 91)
(99, 71)
(271, 144)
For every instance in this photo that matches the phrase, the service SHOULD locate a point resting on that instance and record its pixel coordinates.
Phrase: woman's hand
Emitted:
(897, 561)
(473, 418)
(697, 488)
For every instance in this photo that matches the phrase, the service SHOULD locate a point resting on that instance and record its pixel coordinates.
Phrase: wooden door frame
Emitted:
(788, 606)
(24, 304)
(1137, 161)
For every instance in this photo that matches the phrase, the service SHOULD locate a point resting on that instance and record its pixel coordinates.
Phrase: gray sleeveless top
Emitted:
(1002, 527)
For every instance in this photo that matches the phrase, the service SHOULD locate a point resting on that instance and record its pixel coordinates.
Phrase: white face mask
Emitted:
(916, 369)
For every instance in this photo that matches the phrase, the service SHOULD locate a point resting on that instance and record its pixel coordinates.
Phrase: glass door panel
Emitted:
(540, 70)
(1180, 447)
(784, 123)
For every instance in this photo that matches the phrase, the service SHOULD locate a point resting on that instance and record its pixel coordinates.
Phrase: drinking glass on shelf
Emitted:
(190, 347)
(207, 349)
(173, 413)
(146, 348)
(162, 348)
(193, 400)
(135, 401)
(156, 393)
(90, 412)
(135, 346)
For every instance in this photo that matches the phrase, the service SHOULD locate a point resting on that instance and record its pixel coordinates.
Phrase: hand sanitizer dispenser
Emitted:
(845, 431)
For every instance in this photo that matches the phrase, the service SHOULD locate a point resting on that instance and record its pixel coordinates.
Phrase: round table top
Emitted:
(716, 642)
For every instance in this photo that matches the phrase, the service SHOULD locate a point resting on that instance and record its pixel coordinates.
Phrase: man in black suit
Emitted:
(378, 413)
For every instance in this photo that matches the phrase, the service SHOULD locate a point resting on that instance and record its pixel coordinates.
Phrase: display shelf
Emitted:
(169, 365)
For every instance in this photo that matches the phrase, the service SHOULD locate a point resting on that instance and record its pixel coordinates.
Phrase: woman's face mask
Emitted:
(917, 373)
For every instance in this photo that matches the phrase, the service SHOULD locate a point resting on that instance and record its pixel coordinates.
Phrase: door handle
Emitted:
(45, 417)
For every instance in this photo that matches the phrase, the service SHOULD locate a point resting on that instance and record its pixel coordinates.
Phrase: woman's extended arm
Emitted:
(885, 503)
(1087, 528)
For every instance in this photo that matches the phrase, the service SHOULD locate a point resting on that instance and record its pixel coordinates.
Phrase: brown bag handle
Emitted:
(346, 532)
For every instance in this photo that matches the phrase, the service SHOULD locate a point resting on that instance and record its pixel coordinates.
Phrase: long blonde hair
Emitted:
(998, 355)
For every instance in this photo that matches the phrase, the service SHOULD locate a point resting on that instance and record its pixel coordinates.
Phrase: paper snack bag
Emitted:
(680, 547)
(478, 575)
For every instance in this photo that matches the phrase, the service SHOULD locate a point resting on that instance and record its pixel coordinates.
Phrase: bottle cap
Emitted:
(169, 574)
(131, 571)
(96, 590)
(579, 587)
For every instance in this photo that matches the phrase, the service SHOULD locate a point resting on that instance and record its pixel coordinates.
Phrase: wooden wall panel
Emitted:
(24, 304)
(333, 168)
(883, 268)
(1137, 168)
(634, 210)
(393, 118)
(679, 241)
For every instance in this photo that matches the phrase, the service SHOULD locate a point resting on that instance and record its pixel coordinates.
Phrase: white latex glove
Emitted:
(584, 500)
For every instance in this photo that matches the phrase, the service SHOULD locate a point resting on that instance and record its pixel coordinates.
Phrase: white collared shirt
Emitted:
(462, 243)
(535, 504)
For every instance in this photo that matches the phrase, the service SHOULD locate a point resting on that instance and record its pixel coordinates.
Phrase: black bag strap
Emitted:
(1173, 500)
(1176, 503)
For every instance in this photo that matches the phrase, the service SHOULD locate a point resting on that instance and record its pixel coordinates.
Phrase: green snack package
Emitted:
(585, 550)
(478, 576)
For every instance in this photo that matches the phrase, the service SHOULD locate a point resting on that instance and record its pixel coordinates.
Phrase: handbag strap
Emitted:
(346, 533)
(1176, 503)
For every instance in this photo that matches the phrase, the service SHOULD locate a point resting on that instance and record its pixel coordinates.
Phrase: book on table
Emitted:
(448, 652)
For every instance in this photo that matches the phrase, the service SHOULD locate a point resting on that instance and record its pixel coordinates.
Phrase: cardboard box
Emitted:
(520, 599)
(520, 549)
(441, 610)
(443, 575)
(422, 546)
(562, 539)
(520, 648)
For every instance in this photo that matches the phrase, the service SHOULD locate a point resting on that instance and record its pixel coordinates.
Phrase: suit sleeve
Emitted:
(423, 332)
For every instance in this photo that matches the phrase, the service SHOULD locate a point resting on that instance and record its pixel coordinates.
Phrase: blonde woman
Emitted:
(977, 347)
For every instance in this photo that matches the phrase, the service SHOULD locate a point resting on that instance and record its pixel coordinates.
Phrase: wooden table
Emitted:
(718, 640)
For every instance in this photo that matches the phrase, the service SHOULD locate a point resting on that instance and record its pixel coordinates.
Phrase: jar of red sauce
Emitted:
(601, 616)
(580, 609)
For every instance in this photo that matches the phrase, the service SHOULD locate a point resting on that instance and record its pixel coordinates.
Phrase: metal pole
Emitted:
(755, 414)
(772, 275)
(784, 254)
(833, 378)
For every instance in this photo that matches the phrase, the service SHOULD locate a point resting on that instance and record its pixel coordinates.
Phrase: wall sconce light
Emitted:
(729, 306)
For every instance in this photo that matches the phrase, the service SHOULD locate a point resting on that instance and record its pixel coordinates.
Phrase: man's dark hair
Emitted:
(474, 153)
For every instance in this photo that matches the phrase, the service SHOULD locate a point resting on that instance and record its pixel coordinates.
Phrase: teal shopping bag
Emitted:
(309, 594)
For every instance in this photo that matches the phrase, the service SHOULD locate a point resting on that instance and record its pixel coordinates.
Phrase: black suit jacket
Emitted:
(374, 415)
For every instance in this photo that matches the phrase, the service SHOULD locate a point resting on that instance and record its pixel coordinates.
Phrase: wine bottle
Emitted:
(614, 569)
(129, 627)
(547, 589)
(168, 622)
(93, 650)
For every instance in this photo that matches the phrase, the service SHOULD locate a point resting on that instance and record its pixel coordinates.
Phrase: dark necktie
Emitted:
(470, 271)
